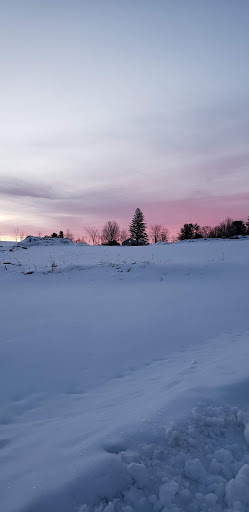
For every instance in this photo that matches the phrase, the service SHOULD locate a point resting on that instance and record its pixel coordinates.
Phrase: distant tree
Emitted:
(110, 233)
(80, 240)
(205, 231)
(94, 234)
(158, 233)
(197, 233)
(155, 232)
(21, 235)
(247, 226)
(214, 232)
(223, 230)
(54, 235)
(189, 231)
(138, 227)
(227, 228)
(186, 232)
(16, 233)
(61, 234)
(69, 235)
(123, 235)
(239, 228)
(164, 235)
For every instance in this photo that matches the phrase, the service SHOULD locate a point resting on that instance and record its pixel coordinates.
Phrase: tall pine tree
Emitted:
(138, 227)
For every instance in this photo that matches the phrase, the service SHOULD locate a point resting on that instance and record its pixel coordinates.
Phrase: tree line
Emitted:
(226, 229)
(112, 234)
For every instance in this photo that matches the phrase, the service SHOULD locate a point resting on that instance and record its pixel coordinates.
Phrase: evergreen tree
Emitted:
(247, 225)
(239, 228)
(138, 227)
(189, 231)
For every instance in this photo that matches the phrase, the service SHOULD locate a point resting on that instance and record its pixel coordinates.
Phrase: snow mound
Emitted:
(30, 241)
(197, 465)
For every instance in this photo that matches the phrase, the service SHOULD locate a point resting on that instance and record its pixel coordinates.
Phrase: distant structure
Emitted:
(131, 241)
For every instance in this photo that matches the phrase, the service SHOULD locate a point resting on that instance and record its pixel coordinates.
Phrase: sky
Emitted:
(110, 105)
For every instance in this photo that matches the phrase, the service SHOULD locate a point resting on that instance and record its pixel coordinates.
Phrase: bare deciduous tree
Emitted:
(123, 235)
(93, 233)
(16, 233)
(164, 235)
(19, 235)
(155, 231)
(69, 235)
(205, 231)
(158, 233)
(80, 240)
(223, 230)
(110, 232)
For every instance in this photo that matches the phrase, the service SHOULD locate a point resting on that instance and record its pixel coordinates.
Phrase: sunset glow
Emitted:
(110, 105)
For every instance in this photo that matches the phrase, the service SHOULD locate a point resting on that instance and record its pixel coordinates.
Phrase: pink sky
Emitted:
(171, 214)
(118, 105)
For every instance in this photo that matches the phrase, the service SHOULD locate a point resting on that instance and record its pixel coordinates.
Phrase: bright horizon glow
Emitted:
(107, 106)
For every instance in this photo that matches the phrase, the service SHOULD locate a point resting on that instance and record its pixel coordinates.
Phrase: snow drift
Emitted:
(124, 377)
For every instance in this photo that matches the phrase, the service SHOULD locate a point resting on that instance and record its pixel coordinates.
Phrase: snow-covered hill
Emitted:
(124, 377)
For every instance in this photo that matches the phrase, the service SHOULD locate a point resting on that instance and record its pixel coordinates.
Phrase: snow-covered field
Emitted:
(124, 377)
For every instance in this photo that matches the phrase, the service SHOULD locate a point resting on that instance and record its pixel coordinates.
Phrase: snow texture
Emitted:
(124, 381)
(218, 480)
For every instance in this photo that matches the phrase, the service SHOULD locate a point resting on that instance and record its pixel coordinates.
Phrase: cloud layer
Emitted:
(123, 106)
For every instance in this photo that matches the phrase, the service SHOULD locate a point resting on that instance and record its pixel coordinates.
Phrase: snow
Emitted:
(237, 489)
(31, 241)
(124, 377)
(167, 492)
(195, 470)
(139, 473)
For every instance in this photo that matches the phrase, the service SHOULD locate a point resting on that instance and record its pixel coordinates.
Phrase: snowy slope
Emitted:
(104, 353)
